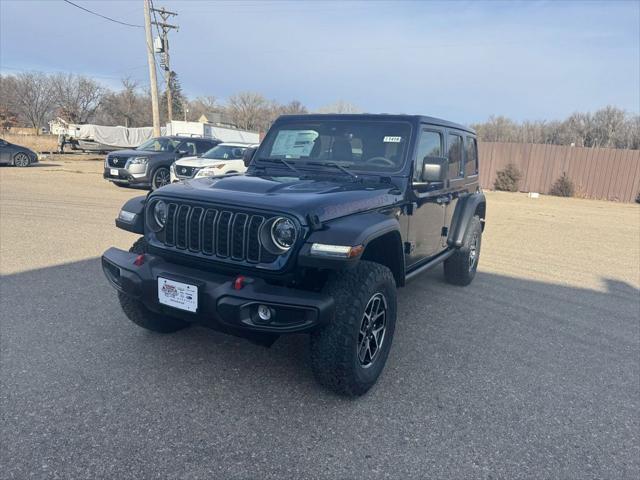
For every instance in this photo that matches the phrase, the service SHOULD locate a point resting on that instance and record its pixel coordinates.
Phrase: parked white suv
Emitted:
(221, 159)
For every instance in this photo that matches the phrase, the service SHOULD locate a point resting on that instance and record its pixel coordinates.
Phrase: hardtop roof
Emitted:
(378, 116)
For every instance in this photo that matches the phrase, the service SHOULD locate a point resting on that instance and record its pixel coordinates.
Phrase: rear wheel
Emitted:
(348, 355)
(460, 268)
(21, 160)
(161, 177)
(141, 315)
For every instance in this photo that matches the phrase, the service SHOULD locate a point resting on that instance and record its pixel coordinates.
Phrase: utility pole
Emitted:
(152, 69)
(166, 27)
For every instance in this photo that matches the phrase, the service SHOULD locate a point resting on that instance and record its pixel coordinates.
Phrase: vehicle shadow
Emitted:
(45, 164)
(486, 372)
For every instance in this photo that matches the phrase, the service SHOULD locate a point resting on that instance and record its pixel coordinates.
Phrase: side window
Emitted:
(202, 147)
(430, 146)
(189, 147)
(471, 164)
(455, 156)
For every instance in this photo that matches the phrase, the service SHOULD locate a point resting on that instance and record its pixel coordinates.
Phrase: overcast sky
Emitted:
(460, 60)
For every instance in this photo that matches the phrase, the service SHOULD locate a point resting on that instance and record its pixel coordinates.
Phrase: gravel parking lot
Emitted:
(531, 372)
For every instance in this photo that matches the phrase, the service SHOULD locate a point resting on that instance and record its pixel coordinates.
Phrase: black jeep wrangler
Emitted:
(334, 213)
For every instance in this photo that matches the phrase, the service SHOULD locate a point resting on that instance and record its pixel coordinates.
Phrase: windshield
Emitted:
(375, 146)
(225, 152)
(160, 144)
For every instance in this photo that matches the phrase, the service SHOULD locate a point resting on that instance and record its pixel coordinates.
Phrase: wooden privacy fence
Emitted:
(602, 173)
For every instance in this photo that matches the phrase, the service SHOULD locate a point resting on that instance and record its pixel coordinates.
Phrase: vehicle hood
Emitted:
(19, 148)
(139, 153)
(198, 162)
(328, 199)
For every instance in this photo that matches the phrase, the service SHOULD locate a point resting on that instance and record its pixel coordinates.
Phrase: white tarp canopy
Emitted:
(115, 136)
(123, 137)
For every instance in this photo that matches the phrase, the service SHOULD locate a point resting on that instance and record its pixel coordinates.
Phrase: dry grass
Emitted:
(37, 143)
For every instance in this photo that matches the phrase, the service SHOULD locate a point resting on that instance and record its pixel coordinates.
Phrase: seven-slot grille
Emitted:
(216, 232)
(117, 162)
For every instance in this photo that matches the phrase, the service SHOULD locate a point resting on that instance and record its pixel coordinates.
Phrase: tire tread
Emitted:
(332, 347)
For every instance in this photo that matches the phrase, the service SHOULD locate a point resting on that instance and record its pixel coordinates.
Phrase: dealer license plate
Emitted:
(114, 172)
(177, 294)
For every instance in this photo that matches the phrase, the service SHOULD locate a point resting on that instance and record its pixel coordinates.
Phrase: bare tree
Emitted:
(128, 107)
(202, 106)
(340, 107)
(249, 110)
(294, 107)
(8, 110)
(77, 97)
(33, 98)
(607, 127)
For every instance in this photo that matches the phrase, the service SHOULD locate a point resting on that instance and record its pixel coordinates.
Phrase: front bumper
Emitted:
(124, 176)
(220, 306)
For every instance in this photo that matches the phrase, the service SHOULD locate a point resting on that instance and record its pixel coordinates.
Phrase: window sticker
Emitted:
(392, 139)
(293, 143)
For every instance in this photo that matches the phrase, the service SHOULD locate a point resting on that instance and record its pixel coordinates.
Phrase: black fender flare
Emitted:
(136, 206)
(466, 208)
(361, 229)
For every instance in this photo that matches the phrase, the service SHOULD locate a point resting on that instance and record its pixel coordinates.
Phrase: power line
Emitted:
(103, 16)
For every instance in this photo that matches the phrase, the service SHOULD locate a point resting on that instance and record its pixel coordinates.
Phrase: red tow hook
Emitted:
(238, 283)
(139, 260)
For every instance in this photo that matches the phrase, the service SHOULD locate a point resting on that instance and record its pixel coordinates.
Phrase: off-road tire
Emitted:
(141, 315)
(334, 348)
(159, 175)
(459, 269)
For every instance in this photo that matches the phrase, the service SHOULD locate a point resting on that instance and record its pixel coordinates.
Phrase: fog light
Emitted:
(264, 313)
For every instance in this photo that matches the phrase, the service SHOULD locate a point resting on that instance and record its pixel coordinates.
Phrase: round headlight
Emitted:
(283, 233)
(160, 213)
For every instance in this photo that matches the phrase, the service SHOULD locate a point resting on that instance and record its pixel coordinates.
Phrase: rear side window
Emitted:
(430, 146)
(471, 163)
(202, 147)
(454, 153)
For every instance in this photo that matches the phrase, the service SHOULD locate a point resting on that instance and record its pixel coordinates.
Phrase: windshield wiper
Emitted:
(280, 160)
(335, 165)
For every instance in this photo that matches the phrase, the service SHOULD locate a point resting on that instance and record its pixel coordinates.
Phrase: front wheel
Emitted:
(349, 354)
(161, 177)
(460, 268)
(21, 160)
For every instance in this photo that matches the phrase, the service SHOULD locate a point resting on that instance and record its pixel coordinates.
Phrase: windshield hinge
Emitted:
(314, 222)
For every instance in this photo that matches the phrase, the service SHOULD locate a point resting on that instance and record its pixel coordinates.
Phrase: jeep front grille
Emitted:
(216, 232)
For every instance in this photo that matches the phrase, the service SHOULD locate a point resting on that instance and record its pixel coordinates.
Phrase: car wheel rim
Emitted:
(372, 330)
(473, 252)
(162, 178)
(22, 160)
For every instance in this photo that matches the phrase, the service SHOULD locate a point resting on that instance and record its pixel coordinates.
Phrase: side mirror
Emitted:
(182, 153)
(435, 169)
(247, 156)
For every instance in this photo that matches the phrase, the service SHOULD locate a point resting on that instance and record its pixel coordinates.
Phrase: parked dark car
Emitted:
(148, 165)
(333, 214)
(16, 155)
